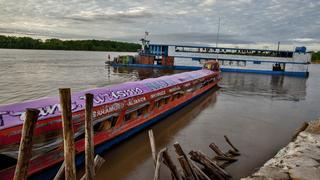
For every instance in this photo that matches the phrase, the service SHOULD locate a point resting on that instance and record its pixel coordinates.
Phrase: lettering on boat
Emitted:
(115, 95)
(134, 101)
(107, 109)
(161, 93)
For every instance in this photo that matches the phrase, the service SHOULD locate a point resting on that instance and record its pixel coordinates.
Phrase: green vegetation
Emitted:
(316, 56)
(13, 42)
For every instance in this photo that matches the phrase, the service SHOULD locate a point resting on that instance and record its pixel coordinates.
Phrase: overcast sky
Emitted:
(244, 23)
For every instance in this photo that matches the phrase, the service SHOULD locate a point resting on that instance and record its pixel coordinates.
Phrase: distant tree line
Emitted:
(316, 56)
(57, 44)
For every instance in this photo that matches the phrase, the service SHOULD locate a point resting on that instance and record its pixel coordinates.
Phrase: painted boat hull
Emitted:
(51, 172)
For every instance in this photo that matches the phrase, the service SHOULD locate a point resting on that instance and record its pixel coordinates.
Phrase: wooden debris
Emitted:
(180, 152)
(153, 147)
(225, 158)
(25, 149)
(209, 164)
(233, 153)
(229, 142)
(199, 172)
(217, 150)
(186, 168)
(168, 162)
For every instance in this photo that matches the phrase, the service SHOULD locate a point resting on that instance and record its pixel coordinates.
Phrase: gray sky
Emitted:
(244, 23)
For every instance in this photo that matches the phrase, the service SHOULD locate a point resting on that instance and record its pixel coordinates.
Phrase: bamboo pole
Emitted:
(89, 144)
(159, 159)
(60, 174)
(153, 147)
(98, 162)
(25, 149)
(69, 149)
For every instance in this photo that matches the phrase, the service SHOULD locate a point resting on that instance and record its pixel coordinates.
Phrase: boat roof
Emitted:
(14, 114)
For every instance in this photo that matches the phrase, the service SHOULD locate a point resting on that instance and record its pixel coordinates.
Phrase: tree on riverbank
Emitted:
(13, 42)
(316, 56)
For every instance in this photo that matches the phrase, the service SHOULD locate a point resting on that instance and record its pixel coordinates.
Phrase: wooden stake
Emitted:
(89, 144)
(229, 142)
(25, 149)
(159, 159)
(69, 149)
(60, 173)
(153, 147)
(168, 162)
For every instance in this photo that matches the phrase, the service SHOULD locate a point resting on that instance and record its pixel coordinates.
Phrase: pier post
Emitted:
(89, 144)
(69, 149)
(25, 149)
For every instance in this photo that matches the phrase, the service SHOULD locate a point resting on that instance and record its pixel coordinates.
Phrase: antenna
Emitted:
(218, 33)
(218, 38)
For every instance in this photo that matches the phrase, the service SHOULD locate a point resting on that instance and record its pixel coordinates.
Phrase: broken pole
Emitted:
(25, 149)
(168, 162)
(158, 163)
(68, 140)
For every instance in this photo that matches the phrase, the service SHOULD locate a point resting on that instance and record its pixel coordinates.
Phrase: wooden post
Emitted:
(25, 149)
(89, 144)
(60, 173)
(229, 142)
(69, 149)
(153, 147)
(168, 162)
(216, 149)
(159, 159)
(199, 172)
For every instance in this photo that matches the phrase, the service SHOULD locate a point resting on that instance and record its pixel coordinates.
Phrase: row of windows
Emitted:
(143, 109)
(233, 63)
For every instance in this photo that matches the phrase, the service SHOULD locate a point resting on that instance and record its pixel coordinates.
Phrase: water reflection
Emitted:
(273, 87)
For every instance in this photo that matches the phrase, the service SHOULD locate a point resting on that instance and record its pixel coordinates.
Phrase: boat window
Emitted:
(136, 112)
(177, 95)
(105, 123)
(162, 101)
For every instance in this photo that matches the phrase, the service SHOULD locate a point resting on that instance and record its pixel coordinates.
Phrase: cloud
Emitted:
(190, 21)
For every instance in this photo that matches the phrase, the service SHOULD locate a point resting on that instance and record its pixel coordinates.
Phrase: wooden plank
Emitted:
(69, 149)
(25, 148)
(153, 147)
(89, 144)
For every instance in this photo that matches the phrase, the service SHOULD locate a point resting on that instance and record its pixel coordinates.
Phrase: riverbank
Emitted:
(300, 159)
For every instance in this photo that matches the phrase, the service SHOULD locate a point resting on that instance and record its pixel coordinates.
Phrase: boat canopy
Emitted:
(14, 114)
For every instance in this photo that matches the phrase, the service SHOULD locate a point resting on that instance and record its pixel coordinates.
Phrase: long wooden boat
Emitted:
(119, 112)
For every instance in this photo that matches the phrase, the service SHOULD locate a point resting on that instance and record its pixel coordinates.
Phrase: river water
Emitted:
(259, 113)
